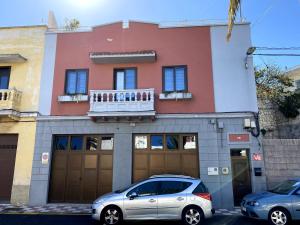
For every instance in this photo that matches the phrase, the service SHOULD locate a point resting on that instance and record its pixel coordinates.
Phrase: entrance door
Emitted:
(8, 146)
(241, 177)
(81, 168)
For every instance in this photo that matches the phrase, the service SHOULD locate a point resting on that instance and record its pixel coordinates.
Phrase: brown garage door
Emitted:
(8, 146)
(81, 168)
(165, 154)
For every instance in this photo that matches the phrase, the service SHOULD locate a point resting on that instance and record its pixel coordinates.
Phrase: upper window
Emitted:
(76, 143)
(4, 77)
(172, 142)
(157, 142)
(172, 187)
(61, 142)
(189, 142)
(125, 79)
(76, 82)
(140, 142)
(107, 143)
(175, 79)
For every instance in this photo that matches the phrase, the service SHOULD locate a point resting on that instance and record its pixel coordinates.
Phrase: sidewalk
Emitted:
(73, 209)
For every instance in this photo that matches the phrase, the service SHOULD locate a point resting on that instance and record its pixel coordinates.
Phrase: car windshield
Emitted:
(285, 187)
(126, 188)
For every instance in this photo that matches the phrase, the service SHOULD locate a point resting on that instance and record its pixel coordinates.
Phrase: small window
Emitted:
(189, 142)
(175, 79)
(76, 143)
(60, 142)
(76, 82)
(140, 142)
(146, 189)
(172, 187)
(172, 142)
(4, 77)
(92, 143)
(156, 142)
(107, 143)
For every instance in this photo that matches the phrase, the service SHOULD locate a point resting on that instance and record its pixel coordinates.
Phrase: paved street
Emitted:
(10, 219)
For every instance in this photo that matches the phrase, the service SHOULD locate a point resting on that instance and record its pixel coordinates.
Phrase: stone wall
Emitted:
(274, 122)
(282, 159)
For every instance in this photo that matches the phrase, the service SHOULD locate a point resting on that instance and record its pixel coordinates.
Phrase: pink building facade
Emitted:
(124, 101)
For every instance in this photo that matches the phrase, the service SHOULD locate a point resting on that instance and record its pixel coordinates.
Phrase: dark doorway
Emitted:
(8, 147)
(241, 177)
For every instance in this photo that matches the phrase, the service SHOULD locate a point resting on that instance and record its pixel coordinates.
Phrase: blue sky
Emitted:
(275, 23)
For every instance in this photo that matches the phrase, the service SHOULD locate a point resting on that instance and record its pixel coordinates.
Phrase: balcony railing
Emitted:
(10, 99)
(134, 100)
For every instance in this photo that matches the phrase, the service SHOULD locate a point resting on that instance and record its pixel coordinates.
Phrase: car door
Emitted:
(171, 199)
(144, 205)
(296, 204)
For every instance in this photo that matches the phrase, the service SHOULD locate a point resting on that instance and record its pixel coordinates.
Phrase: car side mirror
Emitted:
(133, 195)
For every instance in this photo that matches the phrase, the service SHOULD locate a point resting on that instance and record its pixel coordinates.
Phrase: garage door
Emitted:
(81, 168)
(8, 146)
(165, 154)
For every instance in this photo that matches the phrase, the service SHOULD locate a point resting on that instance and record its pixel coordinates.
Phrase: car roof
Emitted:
(163, 176)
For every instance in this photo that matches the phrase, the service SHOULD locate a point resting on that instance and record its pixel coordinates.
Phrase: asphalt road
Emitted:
(9, 219)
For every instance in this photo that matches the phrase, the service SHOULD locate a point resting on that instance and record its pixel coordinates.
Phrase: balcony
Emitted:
(122, 103)
(10, 100)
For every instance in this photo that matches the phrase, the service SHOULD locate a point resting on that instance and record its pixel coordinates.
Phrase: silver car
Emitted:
(279, 205)
(163, 197)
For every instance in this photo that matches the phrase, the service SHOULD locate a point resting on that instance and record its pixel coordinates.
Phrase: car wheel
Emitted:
(192, 216)
(112, 216)
(279, 217)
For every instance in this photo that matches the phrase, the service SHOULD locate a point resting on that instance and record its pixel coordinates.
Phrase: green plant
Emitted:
(289, 105)
(72, 24)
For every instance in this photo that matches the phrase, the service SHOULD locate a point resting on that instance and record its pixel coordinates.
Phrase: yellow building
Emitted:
(21, 56)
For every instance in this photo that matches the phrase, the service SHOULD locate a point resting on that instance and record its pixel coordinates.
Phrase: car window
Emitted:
(172, 187)
(146, 189)
(284, 188)
(201, 188)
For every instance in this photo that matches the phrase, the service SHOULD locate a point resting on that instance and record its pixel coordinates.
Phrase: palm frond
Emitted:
(233, 8)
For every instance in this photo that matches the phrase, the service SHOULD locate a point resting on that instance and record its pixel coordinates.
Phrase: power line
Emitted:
(277, 48)
(278, 54)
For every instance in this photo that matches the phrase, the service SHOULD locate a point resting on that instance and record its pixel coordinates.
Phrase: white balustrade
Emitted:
(10, 99)
(132, 100)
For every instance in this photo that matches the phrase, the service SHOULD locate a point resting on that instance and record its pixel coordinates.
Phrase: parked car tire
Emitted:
(111, 215)
(192, 215)
(279, 216)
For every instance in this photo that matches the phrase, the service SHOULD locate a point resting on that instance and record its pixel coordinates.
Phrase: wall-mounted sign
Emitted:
(238, 138)
(225, 170)
(45, 157)
(257, 157)
(212, 171)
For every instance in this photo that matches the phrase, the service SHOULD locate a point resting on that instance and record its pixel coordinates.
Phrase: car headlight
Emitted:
(253, 203)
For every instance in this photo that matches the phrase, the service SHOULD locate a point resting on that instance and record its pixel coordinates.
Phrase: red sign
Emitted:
(257, 157)
(239, 138)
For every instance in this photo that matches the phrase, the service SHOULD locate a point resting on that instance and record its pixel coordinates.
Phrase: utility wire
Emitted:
(277, 48)
(276, 54)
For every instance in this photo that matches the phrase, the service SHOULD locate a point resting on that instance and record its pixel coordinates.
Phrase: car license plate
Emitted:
(243, 209)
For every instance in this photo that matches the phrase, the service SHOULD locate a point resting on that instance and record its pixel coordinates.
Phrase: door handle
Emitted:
(180, 198)
(152, 200)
